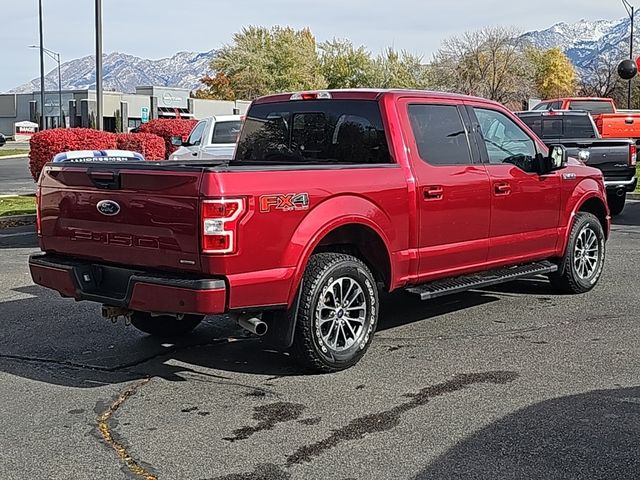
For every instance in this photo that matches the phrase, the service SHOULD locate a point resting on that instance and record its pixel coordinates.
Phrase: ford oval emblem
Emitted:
(108, 208)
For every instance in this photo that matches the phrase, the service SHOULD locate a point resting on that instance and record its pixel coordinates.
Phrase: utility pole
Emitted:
(43, 124)
(99, 104)
(631, 10)
(56, 57)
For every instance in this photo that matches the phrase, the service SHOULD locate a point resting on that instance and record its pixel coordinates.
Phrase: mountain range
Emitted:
(583, 42)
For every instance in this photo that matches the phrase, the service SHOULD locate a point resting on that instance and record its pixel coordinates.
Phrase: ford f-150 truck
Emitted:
(611, 122)
(212, 138)
(616, 158)
(331, 197)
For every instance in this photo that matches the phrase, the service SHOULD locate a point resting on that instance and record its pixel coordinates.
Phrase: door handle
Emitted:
(502, 188)
(194, 154)
(433, 192)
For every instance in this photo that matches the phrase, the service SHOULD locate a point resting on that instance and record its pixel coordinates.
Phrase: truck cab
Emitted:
(330, 198)
(212, 138)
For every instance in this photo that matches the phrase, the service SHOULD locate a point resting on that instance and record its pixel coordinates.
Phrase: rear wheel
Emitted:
(165, 326)
(338, 313)
(616, 203)
(582, 264)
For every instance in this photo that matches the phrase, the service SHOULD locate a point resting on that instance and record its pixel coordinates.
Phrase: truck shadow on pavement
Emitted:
(630, 216)
(588, 436)
(54, 340)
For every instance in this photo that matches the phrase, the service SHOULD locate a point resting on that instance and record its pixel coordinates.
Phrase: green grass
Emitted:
(5, 152)
(638, 174)
(23, 205)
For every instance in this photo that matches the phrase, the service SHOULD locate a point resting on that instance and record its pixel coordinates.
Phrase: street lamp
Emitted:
(56, 57)
(42, 122)
(631, 10)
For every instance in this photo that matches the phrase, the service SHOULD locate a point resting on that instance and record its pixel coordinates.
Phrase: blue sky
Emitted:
(159, 28)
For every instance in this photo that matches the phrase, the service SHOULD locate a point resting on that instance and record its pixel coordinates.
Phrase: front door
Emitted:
(525, 206)
(452, 188)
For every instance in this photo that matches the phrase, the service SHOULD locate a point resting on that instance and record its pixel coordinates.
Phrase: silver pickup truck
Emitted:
(213, 138)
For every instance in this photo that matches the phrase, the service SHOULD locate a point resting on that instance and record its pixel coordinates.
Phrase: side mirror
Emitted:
(177, 141)
(558, 156)
(556, 160)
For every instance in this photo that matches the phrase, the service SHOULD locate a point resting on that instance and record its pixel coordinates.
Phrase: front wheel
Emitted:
(337, 314)
(581, 266)
(616, 203)
(165, 326)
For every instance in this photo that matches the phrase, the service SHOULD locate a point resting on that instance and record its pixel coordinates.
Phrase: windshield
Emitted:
(226, 132)
(312, 132)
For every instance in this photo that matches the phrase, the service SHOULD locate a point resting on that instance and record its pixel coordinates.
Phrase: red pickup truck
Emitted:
(331, 197)
(611, 122)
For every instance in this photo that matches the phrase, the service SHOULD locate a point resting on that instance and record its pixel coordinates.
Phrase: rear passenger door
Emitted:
(525, 206)
(452, 188)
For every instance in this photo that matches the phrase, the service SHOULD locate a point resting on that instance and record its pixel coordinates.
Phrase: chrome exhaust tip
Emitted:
(252, 324)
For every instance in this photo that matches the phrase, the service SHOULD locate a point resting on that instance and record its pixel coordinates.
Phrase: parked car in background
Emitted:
(212, 138)
(610, 122)
(3, 140)
(330, 198)
(576, 130)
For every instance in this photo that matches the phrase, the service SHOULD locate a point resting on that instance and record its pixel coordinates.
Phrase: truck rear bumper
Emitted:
(126, 288)
(628, 185)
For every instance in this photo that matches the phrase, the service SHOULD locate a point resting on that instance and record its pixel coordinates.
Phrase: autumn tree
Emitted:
(344, 66)
(555, 76)
(393, 69)
(260, 61)
(217, 87)
(600, 78)
(489, 63)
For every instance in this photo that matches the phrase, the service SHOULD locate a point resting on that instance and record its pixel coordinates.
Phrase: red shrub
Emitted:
(167, 128)
(151, 146)
(48, 143)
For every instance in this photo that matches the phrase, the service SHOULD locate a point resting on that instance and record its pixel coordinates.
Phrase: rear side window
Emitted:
(226, 132)
(313, 132)
(566, 126)
(592, 106)
(440, 134)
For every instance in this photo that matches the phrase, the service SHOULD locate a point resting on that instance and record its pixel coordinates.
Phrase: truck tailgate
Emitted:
(618, 125)
(122, 215)
(609, 156)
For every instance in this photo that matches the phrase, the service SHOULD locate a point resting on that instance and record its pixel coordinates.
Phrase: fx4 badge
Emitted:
(286, 202)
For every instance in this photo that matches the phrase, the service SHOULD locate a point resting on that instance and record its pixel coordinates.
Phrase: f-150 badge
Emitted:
(287, 202)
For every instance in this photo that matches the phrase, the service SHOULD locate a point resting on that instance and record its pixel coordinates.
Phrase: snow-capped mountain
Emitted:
(123, 73)
(585, 41)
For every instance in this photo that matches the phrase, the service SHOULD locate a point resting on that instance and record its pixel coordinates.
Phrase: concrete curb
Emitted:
(9, 157)
(633, 196)
(17, 220)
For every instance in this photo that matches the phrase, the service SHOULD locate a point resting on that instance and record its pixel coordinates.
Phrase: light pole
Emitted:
(631, 10)
(56, 57)
(99, 119)
(42, 121)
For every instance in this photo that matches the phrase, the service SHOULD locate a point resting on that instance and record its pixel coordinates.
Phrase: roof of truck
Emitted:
(369, 94)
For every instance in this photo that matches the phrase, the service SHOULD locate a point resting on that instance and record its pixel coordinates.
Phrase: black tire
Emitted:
(616, 203)
(165, 326)
(576, 274)
(327, 273)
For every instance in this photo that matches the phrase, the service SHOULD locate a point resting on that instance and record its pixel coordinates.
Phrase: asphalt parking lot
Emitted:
(15, 178)
(509, 383)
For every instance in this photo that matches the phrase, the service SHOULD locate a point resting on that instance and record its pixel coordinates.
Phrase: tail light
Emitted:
(319, 95)
(220, 219)
(38, 217)
(633, 155)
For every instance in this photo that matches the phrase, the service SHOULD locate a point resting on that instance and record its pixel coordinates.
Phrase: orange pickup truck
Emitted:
(611, 122)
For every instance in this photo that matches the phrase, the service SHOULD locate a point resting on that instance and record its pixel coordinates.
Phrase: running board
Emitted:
(448, 286)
